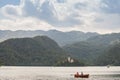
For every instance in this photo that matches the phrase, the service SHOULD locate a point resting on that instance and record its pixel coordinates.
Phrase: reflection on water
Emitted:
(58, 73)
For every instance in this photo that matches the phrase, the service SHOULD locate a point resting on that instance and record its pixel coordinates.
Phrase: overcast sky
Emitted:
(102, 16)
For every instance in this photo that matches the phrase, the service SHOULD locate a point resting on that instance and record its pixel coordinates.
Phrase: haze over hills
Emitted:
(94, 47)
(62, 38)
(84, 48)
(106, 39)
(111, 56)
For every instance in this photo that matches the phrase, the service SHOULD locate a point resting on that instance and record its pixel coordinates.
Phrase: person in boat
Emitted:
(81, 73)
(77, 73)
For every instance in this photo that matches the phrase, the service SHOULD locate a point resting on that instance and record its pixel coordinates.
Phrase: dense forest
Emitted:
(99, 50)
(111, 56)
(37, 51)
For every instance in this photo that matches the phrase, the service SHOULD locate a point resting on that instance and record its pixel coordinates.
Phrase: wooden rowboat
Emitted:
(81, 75)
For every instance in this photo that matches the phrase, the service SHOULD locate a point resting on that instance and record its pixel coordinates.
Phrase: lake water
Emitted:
(58, 73)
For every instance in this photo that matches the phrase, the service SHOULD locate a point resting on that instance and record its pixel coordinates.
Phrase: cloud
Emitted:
(47, 11)
(28, 23)
(99, 20)
(61, 1)
(113, 21)
(11, 11)
(80, 5)
(85, 15)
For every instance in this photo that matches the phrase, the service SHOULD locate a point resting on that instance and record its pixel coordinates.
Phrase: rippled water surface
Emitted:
(58, 73)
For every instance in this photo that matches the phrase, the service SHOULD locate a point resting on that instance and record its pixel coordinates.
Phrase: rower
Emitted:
(81, 73)
(77, 73)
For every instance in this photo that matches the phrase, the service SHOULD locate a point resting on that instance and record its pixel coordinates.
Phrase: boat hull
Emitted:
(81, 76)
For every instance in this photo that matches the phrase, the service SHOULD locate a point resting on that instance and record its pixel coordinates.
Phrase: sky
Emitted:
(102, 16)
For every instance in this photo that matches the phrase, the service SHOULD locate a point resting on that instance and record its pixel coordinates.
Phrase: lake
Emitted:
(58, 73)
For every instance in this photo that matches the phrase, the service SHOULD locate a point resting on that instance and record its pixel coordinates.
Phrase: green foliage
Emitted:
(111, 56)
(43, 51)
(85, 51)
(37, 51)
(99, 50)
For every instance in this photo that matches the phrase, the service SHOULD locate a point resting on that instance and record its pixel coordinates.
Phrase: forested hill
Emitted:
(98, 50)
(30, 51)
(36, 51)
(111, 56)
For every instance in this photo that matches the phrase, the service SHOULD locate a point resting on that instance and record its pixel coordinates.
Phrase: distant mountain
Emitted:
(36, 51)
(62, 38)
(107, 39)
(110, 57)
(93, 47)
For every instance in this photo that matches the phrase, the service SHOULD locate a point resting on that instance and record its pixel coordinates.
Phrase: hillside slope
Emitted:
(30, 51)
(36, 51)
(93, 48)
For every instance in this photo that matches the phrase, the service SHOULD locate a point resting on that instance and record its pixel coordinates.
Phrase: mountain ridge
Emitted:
(62, 38)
